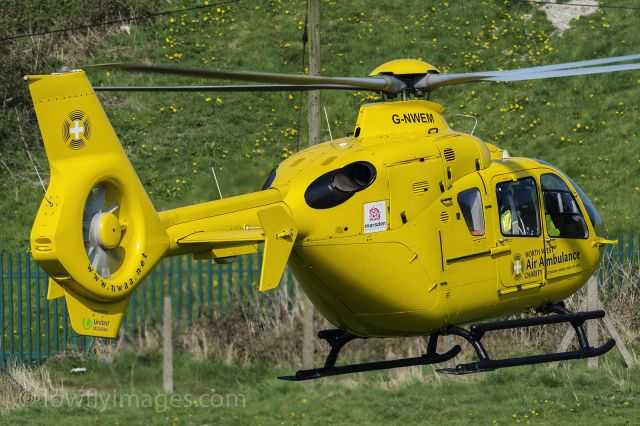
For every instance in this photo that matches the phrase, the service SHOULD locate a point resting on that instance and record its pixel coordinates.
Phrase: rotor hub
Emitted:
(106, 230)
(401, 67)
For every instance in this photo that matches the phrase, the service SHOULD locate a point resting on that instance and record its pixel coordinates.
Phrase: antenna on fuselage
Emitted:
(328, 125)
(470, 116)
(213, 170)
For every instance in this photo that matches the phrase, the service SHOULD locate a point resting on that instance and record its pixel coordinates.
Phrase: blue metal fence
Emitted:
(33, 328)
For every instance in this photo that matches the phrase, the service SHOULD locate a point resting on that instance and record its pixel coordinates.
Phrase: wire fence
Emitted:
(34, 329)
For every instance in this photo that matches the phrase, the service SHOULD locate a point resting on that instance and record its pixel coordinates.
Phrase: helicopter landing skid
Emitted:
(338, 338)
(562, 315)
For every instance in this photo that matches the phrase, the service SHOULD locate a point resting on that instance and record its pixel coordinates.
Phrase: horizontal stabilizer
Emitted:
(277, 231)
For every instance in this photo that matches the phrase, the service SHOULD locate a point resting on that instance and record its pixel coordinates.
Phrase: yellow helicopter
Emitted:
(406, 227)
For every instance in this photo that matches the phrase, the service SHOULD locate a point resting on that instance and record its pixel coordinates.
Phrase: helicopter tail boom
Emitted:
(224, 229)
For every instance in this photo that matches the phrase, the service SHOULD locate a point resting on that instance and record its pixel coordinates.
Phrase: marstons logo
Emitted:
(374, 214)
(516, 266)
(76, 130)
(87, 323)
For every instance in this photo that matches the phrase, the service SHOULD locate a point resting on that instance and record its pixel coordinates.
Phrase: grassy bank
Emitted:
(586, 125)
(128, 391)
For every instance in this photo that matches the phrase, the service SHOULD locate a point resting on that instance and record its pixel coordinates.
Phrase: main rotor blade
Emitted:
(579, 64)
(565, 73)
(435, 81)
(231, 88)
(384, 83)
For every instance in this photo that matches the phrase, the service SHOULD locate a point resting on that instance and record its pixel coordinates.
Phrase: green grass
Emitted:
(571, 394)
(174, 139)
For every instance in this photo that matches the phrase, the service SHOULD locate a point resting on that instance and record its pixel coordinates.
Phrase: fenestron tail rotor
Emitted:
(102, 232)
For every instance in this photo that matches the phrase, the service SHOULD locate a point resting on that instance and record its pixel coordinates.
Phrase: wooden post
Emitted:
(314, 138)
(167, 347)
(593, 303)
(314, 69)
(626, 355)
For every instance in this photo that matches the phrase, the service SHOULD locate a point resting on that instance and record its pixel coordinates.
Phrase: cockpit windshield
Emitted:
(594, 216)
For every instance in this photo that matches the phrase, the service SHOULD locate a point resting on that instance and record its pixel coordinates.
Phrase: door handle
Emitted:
(551, 241)
(494, 251)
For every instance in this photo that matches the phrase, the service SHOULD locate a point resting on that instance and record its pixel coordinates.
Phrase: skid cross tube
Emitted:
(338, 338)
(562, 315)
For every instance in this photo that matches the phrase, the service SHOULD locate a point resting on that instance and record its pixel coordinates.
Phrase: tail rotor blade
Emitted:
(115, 260)
(101, 262)
(91, 252)
(98, 199)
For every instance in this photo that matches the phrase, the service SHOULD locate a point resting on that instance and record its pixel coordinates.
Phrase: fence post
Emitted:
(201, 305)
(20, 307)
(220, 293)
(65, 324)
(209, 287)
(27, 264)
(167, 347)
(230, 283)
(239, 269)
(47, 341)
(180, 287)
(250, 276)
(10, 300)
(38, 325)
(189, 284)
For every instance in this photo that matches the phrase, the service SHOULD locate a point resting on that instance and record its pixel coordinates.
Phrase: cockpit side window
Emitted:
(518, 208)
(470, 204)
(562, 214)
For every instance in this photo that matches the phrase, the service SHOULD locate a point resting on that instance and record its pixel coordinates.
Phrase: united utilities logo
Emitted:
(87, 323)
(76, 130)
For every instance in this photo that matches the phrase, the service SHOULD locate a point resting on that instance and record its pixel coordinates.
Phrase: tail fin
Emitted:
(96, 233)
